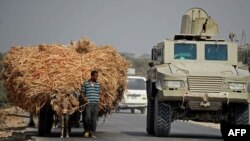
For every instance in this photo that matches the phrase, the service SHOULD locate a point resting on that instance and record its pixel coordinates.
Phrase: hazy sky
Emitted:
(128, 25)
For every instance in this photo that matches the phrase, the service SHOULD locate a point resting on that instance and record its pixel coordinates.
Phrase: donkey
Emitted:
(64, 105)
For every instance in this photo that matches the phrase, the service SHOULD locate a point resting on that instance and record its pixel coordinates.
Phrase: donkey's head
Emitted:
(65, 104)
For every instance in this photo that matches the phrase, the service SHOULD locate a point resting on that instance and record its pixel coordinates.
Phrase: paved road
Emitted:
(132, 127)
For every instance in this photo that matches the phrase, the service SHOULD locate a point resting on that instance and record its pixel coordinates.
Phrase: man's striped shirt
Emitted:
(92, 92)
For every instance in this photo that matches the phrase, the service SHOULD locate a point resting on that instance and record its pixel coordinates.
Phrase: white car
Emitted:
(135, 96)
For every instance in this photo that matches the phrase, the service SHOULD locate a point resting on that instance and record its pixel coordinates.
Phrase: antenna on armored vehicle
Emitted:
(243, 39)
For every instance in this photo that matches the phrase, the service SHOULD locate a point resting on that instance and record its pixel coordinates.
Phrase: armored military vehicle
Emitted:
(195, 77)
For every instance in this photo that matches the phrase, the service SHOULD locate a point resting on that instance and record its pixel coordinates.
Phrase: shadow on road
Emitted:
(127, 113)
(54, 134)
(127, 135)
(174, 135)
(195, 136)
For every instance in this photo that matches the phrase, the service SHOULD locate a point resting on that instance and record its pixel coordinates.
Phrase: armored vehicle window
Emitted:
(136, 84)
(216, 52)
(185, 51)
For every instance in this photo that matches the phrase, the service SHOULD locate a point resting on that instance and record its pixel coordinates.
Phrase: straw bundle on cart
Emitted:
(33, 73)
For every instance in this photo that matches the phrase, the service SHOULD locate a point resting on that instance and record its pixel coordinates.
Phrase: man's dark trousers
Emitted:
(91, 113)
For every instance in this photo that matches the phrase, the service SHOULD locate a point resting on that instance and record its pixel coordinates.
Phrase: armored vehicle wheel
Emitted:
(150, 117)
(162, 118)
(241, 114)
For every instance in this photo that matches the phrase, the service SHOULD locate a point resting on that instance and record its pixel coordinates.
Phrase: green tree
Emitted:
(3, 97)
(139, 63)
(1, 61)
(128, 55)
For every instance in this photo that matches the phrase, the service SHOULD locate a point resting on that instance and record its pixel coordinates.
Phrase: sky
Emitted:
(133, 26)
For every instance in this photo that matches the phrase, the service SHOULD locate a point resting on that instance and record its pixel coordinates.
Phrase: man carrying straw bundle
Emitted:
(91, 90)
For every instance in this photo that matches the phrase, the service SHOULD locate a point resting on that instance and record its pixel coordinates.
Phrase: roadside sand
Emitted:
(11, 119)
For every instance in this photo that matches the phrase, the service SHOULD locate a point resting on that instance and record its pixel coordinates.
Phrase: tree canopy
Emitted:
(140, 63)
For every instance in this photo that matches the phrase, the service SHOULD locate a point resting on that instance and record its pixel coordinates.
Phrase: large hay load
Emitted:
(32, 74)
